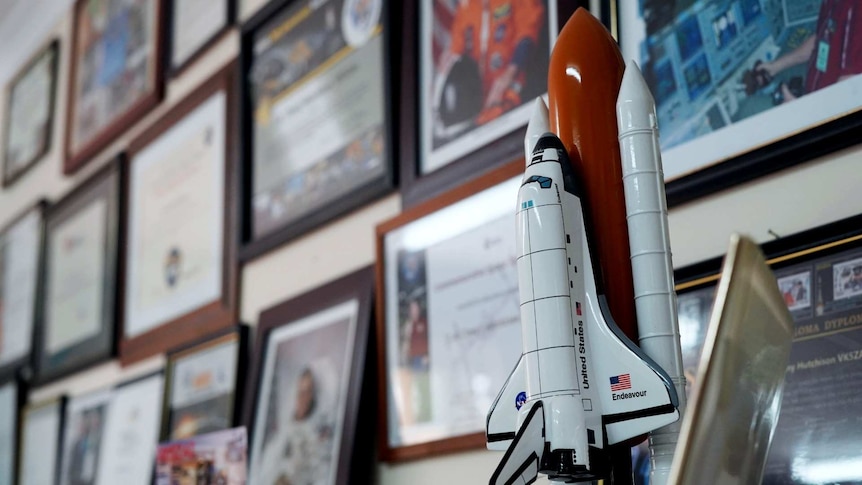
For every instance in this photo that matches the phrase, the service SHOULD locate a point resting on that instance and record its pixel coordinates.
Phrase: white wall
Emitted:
(806, 196)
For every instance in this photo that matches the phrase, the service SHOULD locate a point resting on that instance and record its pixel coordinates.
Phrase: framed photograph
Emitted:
(305, 411)
(30, 113)
(21, 256)
(116, 72)
(745, 88)
(78, 315)
(471, 86)
(132, 432)
(12, 396)
(448, 315)
(82, 440)
(219, 457)
(180, 270)
(316, 113)
(204, 383)
(41, 436)
(195, 25)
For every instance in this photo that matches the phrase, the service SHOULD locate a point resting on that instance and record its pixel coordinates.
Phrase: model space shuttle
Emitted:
(593, 251)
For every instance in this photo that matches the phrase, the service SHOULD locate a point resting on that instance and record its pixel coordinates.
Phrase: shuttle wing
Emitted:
(503, 416)
(520, 464)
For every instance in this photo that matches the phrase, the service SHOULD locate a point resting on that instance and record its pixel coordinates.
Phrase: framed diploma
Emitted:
(78, 313)
(11, 399)
(219, 457)
(180, 278)
(304, 413)
(30, 114)
(83, 436)
(41, 435)
(317, 129)
(116, 72)
(21, 255)
(204, 384)
(131, 433)
(195, 24)
(448, 315)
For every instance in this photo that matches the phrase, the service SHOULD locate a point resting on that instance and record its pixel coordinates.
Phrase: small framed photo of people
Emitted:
(204, 384)
(448, 315)
(305, 411)
(30, 113)
(82, 439)
(41, 436)
(316, 114)
(195, 25)
(179, 267)
(21, 256)
(78, 314)
(219, 458)
(11, 398)
(745, 88)
(116, 72)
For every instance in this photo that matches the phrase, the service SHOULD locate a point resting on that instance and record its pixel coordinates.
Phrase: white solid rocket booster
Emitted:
(649, 243)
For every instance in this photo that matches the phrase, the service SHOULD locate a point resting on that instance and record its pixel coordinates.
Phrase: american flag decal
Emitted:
(578, 307)
(621, 382)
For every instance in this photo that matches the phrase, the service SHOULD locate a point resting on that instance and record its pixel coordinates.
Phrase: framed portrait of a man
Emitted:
(82, 440)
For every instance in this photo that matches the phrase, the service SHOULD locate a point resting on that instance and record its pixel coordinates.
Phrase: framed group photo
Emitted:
(195, 25)
(304, 411)
(745, 88)
(317, 128)
(219, 457)
(448, 315)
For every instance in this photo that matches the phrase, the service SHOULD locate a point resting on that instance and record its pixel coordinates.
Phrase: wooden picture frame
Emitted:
(475, 284)
(39, 452)
(94, 206)
(177, 66)
(235, 337)
(204, 315)
(345, 167)
(345, 302)
(12, 391)
(503, 144)
(51, 56)
(81, 148)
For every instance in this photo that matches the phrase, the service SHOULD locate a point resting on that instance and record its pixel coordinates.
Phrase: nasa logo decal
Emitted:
(520, 399)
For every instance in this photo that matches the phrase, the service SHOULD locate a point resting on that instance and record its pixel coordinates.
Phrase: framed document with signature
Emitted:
(204, 384)
(78, 310)
(316, 116)
(83, 436)
(21, 256)
(180, 277)
(116, 72)
(41, 436)
(194, 25)
(448, 315)
(30, 114)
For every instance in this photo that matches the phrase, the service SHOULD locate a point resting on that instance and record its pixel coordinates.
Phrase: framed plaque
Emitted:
(448, 315)
(30, 113)
(78, 315)
(219, 457)
(204, 384)
(116, 72)
(132, 432)
(11, 399)
(317, 128)
(21, 255)
(41, 436)
(304, 412)
(180, 278)
(83, 436)
(195, 25)
(743, 89)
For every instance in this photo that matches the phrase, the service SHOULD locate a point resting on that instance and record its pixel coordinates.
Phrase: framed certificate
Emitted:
(132, 432)
(303, 415)
(748, 88)
(78, 314)
(30, 114)
(180, 278)
(448, 315)
(83, 436)
(316, 118)
(21, 255)
(219, 457)
(11, 399)
(204, 385)
(41, 435)
(116, 72)
(195, 24)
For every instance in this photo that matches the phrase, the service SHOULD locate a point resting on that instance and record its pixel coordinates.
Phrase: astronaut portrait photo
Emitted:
(796, 290)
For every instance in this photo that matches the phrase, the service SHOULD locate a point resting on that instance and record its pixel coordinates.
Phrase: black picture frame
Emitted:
(177, 69)
(21, 388)
(252, 246)
(417, 188)
(239, 336)
(60, 402)
(105, 185)
(792, 148)
(53, 50)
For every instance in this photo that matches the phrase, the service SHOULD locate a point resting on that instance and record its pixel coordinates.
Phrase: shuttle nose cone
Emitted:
(536, 128)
